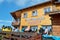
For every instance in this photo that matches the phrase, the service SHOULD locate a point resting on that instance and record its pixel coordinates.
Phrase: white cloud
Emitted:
(17, 2)
(38, 1)
(1, 24)
(1, 1)
(5, 21)
(27, 2)
(9, 1)
(21, 2)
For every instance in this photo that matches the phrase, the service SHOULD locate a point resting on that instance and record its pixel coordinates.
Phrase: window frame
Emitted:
(24, 28)
(25, 15)
(47, 26)
(33, 27)
(47, 10)
(34, 14)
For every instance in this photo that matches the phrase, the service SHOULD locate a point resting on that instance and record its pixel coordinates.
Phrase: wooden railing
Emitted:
(54, 12)
(21, 36)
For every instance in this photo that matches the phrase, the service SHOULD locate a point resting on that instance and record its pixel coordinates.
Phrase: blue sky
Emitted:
(7, 6)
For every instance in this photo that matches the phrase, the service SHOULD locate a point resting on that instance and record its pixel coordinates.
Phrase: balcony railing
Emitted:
(54, 11)
(15, 23)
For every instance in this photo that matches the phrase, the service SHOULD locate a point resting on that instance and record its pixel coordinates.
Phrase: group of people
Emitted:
(41, 31)
(30, 30)
(44, 31)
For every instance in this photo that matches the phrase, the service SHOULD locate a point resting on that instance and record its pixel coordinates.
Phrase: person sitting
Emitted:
(41, 31)
(46, 31)
(27, 29)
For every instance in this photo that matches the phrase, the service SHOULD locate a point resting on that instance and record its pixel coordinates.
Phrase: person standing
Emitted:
(46, 31)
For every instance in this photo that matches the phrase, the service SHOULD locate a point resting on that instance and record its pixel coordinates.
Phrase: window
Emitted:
(49, 27)
(25, 15)
(34, 13)
(34, 28)
(23, 28)
(46, 10)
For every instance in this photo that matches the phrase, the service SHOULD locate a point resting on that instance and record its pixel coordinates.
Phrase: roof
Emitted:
(14, 14)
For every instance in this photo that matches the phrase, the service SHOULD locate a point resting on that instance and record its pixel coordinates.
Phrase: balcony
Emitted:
(54, 11)
(15, 23)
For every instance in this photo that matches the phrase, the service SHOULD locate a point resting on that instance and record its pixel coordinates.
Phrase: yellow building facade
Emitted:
(35, 16)
(41, 19)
